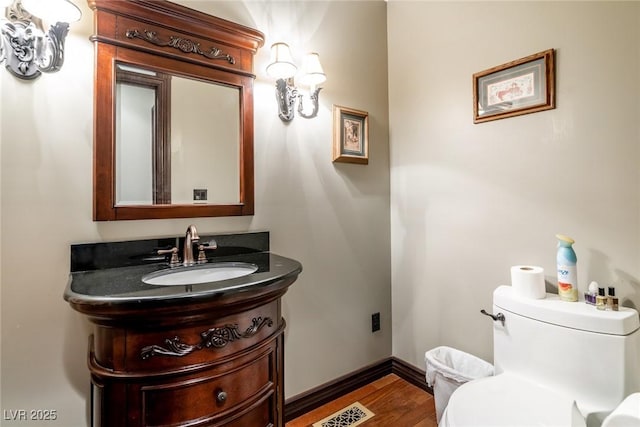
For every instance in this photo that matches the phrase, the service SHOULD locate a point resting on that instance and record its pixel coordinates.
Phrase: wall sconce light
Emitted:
(24, 45)
(283, 68)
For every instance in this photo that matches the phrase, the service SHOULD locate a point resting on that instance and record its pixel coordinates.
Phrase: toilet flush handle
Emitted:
(495, 317)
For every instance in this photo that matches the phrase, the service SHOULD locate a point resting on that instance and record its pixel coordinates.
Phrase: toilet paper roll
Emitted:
(528, 281)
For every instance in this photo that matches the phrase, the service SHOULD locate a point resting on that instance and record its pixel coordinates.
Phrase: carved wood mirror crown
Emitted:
(185, 152)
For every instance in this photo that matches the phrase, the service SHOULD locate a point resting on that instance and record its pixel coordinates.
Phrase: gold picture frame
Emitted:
(350, 135)
(523, 86)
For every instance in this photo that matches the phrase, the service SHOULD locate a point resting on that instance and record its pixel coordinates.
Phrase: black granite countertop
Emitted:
(111, 273)
(125, 285)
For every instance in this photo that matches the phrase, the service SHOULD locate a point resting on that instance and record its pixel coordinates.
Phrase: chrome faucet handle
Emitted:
(202, 258)
(174, 261)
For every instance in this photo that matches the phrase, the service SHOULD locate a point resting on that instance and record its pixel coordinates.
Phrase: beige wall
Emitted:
(469, 201)
(333, 218)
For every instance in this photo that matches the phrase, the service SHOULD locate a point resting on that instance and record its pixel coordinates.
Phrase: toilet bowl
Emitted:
(558, 364)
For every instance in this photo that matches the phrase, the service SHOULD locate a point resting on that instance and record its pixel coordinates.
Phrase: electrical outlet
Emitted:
(375, 322)
(200, 195)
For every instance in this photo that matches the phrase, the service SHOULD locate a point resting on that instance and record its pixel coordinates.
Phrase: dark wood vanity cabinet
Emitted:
(216, 362)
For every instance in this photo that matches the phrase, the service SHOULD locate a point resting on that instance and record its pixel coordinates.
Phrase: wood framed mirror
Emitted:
(173, 112)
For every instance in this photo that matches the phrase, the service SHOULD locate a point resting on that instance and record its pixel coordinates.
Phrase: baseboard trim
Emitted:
(305, 402)
(410, 374)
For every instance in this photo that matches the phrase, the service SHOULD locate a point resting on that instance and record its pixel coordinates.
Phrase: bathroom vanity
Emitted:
(199, 344)
(206, 354)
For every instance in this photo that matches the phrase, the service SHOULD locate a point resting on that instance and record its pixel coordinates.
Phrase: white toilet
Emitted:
(557, 364)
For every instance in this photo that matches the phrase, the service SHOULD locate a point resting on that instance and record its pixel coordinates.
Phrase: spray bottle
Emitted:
(567, 271)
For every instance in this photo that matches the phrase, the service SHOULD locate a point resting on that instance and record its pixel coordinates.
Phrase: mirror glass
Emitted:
(177, 139)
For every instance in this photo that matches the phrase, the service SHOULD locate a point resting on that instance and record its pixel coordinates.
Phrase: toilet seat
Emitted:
(510, 401)
(626, 414)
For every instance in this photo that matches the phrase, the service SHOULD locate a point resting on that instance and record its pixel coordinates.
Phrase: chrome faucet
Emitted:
(189, 239)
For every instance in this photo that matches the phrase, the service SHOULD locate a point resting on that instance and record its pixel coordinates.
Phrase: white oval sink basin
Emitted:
(199, 274)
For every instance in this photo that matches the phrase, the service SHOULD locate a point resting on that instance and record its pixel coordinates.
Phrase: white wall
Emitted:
(469, 201)
(333, 218)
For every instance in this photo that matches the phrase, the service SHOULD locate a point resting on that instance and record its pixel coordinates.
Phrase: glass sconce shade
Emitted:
(312, 72)
(281, 66)
(53, 10)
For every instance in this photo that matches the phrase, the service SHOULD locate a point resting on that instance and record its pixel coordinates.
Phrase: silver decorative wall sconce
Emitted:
(284, 69)
(27, 49)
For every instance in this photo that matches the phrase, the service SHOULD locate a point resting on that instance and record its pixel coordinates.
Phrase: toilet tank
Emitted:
(570, 347)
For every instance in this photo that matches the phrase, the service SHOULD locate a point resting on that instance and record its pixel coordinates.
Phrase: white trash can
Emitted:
(448, 369)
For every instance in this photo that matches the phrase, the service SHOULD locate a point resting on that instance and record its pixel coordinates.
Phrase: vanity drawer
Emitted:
(260, 415)
(201, 399)
(192, 347)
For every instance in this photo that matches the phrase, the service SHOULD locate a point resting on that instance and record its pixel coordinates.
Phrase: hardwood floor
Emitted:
(394, 402)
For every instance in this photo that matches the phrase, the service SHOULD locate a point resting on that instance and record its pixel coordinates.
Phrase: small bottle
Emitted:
(590, 296)
(567, 271)
(612, 299)
(601, 299)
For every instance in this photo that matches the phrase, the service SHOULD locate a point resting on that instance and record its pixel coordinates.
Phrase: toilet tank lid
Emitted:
(576, 315)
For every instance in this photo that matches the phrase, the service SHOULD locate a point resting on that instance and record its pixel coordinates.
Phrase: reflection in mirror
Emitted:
(177, 139)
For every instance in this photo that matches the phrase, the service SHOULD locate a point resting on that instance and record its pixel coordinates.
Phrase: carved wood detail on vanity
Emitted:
(216, 337)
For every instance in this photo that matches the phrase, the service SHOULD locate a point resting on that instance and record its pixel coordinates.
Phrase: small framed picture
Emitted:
(350, 135)
(523, 86)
